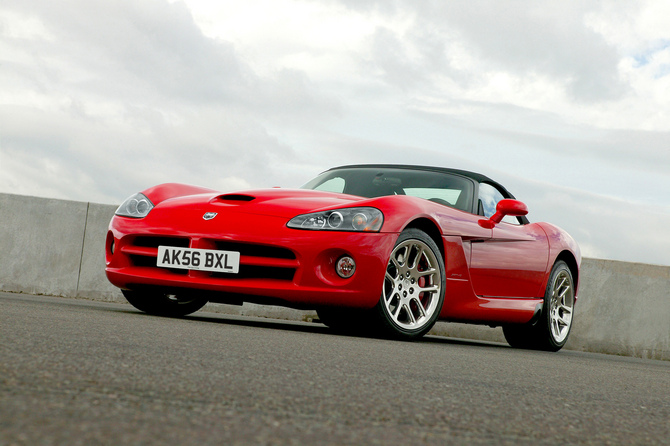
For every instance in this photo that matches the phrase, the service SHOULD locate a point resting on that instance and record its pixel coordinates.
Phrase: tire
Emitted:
(160, 304)
(413, 289)
(550, 332)
(344, 320)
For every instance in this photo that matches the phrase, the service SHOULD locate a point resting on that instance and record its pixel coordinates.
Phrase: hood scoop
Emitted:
(239, 198)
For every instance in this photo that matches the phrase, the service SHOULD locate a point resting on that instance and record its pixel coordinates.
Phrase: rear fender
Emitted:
(562, 247)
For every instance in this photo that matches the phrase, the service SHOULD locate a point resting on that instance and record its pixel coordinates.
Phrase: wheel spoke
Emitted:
(412, 319)
(560, 285)
(390, 298)
(557, 327)
(429, 289)
(564, 315)
(419, 306)
(417, 258)
(404, 255)
(565, 309)
(427, 272)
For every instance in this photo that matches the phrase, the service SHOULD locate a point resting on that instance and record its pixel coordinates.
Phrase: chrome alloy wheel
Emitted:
(412, 285)
(561, 306)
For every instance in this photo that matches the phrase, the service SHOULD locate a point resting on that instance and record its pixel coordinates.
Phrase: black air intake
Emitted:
(235, 197)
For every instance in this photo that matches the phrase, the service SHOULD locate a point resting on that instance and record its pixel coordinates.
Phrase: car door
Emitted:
(513, 262)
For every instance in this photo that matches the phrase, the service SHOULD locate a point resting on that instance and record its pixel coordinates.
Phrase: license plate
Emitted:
(198, 259)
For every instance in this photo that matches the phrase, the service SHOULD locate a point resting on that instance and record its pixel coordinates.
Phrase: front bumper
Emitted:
(293, 267)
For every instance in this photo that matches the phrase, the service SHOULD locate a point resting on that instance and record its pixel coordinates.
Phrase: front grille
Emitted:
(256, 261)
(155, 242)
(259, 272)
(246, 249)
(150, 262)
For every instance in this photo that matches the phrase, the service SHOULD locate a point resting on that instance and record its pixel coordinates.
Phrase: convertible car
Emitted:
(382, 249)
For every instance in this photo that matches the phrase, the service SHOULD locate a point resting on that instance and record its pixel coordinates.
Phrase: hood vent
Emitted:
(235, 197)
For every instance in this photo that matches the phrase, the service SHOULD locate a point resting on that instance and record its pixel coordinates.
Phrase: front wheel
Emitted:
(160, 304)
(344, 320)
(551, 331)
(414, 287)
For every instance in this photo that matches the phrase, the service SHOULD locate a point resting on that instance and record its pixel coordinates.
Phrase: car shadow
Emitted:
(316, 328)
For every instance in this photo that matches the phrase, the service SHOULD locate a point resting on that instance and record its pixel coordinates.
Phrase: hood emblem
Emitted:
(209, 215)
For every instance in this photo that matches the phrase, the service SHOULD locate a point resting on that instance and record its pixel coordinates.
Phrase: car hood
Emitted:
(271, 202)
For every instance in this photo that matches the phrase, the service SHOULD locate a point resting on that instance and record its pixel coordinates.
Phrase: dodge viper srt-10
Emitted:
(381, 249)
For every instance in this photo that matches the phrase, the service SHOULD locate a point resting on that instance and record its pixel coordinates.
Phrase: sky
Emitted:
(566, 103)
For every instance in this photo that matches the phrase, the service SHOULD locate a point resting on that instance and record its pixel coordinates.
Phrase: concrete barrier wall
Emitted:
(623, 309)
(56, 247)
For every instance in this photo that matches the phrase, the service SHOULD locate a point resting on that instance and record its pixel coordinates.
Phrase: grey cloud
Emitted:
(549, 38)
(152, 50)
(603, 226)
(119, 158)
(522, 37)
(130, 94)
(388, 52)
(633, 150)
(547, 133)
(129, 48)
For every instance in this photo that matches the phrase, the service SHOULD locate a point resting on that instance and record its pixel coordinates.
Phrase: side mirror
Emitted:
(504, 208)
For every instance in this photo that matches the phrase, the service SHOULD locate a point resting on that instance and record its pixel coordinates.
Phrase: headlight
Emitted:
(349, 219)
(137, 206)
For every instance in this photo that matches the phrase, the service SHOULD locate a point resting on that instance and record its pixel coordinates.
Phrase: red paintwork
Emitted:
(494, 275)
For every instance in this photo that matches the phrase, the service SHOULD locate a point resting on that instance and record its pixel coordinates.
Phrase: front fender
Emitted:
(165, 191)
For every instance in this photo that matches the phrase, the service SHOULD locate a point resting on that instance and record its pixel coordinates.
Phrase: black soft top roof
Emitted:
(478, 177)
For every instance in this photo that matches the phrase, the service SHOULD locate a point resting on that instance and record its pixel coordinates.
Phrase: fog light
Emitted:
(345, 267)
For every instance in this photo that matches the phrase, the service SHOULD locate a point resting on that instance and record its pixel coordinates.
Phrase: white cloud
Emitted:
(133, 93)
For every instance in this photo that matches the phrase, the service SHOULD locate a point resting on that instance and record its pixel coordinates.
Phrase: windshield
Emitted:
(444, 188)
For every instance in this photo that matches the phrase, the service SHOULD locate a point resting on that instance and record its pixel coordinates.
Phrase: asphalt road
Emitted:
(79, 372)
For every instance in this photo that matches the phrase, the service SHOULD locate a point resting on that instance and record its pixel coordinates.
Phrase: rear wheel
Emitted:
(173, 305)
(414, 286)
(551, 331)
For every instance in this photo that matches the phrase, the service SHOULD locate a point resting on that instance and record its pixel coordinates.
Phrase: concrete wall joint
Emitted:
(83, 244)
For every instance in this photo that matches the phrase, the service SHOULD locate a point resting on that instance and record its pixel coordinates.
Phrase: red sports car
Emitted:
(388, 249)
